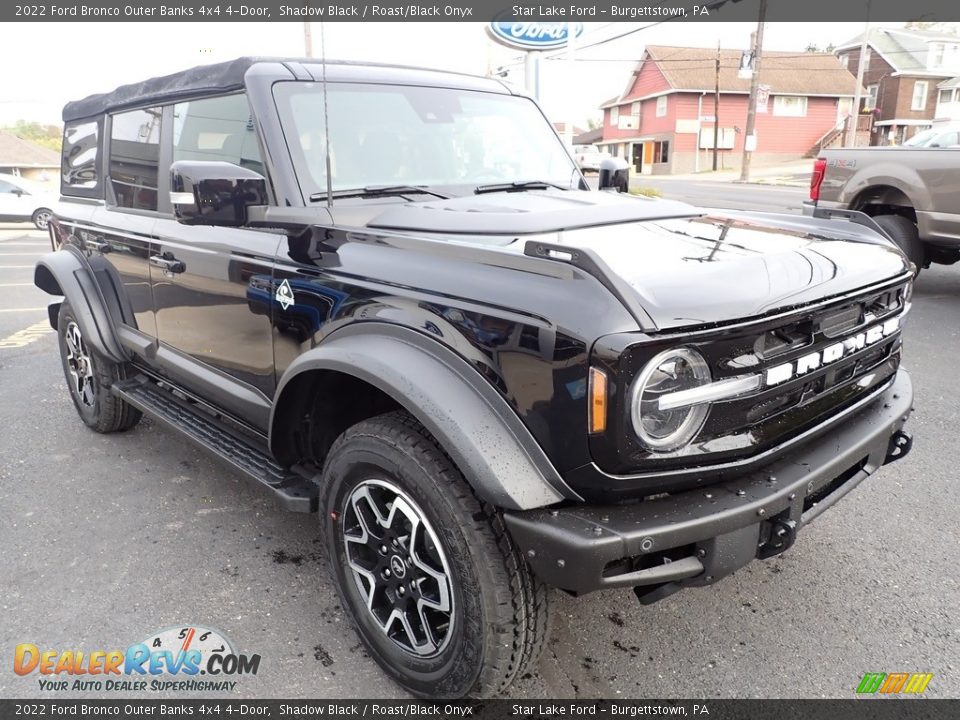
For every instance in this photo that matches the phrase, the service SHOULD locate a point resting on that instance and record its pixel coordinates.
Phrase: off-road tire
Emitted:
(501, 613)
(101, 410)
(904, 233)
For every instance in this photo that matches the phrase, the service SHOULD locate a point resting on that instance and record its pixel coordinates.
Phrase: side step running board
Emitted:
(295, 492)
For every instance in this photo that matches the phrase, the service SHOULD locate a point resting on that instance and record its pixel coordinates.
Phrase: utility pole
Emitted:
(757, 38)
(716, 108)
(861, 69)
(307, 40)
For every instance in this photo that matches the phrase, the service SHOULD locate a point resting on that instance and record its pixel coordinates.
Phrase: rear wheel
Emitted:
(89, 378)
(904, 233)
(434, 586)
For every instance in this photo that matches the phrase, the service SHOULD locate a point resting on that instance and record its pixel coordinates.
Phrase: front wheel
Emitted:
(41, 218)
(434, 586)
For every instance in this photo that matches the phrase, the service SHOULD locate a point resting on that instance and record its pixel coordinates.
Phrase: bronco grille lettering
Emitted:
(830, 354)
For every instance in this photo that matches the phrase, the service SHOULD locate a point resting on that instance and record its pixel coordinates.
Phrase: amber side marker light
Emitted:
(598, 401)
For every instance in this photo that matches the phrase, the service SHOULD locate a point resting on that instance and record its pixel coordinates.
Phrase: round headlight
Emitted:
(669, 372)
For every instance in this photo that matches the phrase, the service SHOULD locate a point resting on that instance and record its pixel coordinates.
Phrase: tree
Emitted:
(593, 123)
(48, 136)
(950, 28)
(814, 48)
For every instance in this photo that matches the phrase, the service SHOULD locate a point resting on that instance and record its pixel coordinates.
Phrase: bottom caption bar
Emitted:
(713, 709)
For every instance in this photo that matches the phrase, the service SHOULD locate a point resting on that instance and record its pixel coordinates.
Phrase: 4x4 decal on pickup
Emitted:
(284, 295)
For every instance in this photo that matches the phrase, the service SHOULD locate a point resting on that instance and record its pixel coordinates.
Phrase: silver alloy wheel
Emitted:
(79, 366)
(42, 219)
(399, 567)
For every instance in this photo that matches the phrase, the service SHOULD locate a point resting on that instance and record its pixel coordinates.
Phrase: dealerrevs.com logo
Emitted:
(173, 659)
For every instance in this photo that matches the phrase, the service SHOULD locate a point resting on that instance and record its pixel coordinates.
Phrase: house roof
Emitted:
(786, 73)
(17, 152)
(590, 137)
(904, 50)
(560, 127)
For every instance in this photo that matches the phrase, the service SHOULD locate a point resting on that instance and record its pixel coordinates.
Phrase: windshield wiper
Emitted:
(380, 191)
(517, 186)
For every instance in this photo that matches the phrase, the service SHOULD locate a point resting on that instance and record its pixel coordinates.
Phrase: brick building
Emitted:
(664, 120)
(911, 78)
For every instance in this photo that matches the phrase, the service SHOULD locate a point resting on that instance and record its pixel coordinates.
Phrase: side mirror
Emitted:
(214, 193)
(20, 193)
(614, 174)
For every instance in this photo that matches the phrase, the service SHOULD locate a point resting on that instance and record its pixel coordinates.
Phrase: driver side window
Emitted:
(219, 128)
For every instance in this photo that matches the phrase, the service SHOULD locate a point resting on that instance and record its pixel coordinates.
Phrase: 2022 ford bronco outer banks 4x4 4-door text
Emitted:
(386, 294)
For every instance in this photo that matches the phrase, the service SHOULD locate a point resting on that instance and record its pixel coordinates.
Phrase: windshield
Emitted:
(440, 138)
(922, 139)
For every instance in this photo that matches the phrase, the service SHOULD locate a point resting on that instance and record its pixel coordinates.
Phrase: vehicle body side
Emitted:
(918, 183)
(311, 318)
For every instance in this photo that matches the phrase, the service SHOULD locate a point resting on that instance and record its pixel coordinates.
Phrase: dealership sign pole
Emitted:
(532, 38)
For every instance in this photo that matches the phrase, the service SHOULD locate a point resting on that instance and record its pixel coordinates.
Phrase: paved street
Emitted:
(728, 194)
(107, 539)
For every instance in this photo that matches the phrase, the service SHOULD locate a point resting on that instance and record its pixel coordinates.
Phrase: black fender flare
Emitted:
(64, 273)
(472, 422)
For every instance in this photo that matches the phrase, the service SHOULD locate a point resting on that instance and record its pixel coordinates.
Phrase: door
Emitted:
(844, 110)
(117, 237)
(637, 158)
(215, 331)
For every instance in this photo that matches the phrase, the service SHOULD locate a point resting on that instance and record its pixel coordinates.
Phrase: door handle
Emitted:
(168, 263)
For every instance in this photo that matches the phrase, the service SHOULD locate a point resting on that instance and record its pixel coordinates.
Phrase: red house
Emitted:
(664, 121)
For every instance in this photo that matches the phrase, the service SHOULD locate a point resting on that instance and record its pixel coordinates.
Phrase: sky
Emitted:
(64, 61)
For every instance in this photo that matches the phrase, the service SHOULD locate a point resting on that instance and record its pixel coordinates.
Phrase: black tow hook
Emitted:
(782, 534)
(900, 445)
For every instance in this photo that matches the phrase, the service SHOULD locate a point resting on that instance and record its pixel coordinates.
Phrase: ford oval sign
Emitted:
(533, 35)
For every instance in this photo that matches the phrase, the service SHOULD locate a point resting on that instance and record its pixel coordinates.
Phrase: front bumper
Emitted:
(697, 537)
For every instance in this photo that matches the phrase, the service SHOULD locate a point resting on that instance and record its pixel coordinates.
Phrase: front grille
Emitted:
(755, 423)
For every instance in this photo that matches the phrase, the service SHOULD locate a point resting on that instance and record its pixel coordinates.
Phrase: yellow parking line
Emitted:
(42, 309)
(26, 336)
(16, 284)
(18, 254)
(17, 267)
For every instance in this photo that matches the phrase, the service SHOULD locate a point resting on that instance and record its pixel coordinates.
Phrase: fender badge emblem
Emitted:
(284, 295)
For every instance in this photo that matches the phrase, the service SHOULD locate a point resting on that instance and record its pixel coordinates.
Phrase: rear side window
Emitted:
(79, 159)
(216, 129)
(135, 158)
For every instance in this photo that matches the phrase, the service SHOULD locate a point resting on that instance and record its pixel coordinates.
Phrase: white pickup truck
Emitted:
(913, 194)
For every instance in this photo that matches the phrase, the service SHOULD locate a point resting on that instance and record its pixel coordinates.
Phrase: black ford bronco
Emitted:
(388, 295)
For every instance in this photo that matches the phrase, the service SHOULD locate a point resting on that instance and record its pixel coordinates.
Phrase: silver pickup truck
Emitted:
(913, 194)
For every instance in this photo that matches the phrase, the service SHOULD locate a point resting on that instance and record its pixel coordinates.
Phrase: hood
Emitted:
(525, 213)
(724, 267)
(685, 266)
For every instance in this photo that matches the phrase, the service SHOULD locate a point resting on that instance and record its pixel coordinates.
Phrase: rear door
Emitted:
(213, 321)
(115, 233)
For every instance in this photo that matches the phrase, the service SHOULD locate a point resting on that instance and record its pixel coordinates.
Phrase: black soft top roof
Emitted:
(227, 76)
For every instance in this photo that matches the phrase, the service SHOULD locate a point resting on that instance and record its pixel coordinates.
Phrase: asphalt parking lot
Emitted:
(106, 539)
